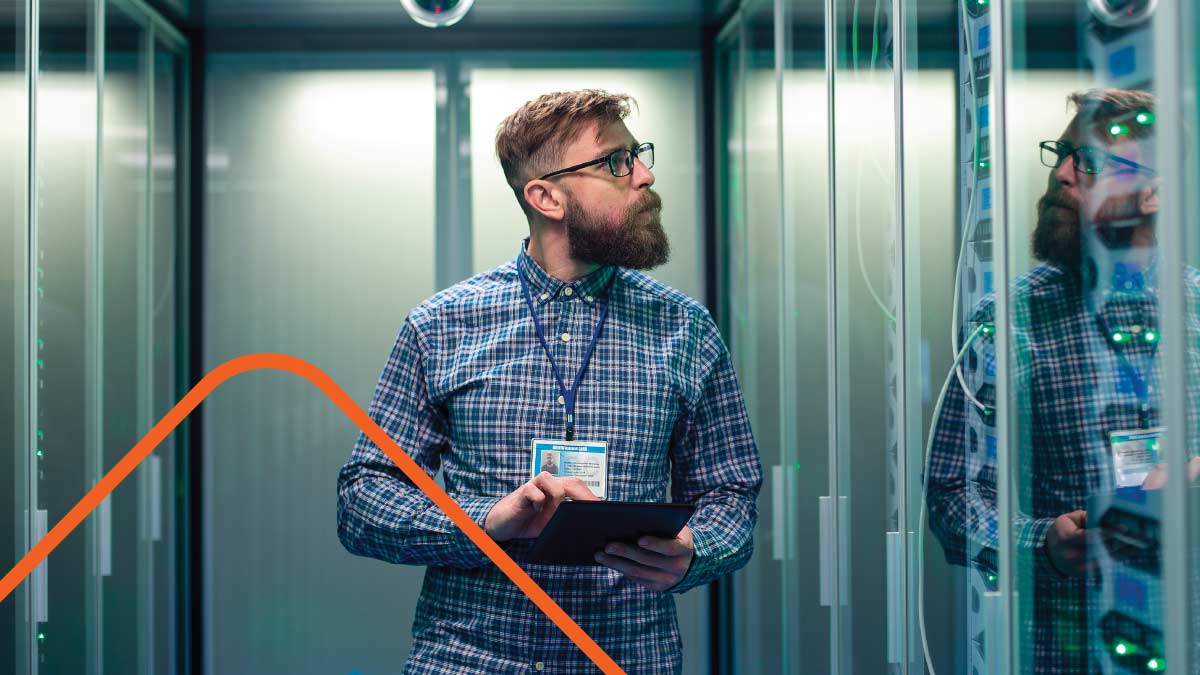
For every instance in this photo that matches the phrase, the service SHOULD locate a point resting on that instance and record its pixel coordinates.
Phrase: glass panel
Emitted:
(67, 329)
(14, 324)
(948, 264)
(804, 455)
(165, 286)
(1085, 407)
(319, 240)
(867, 334)
(755, 336)
(123, 227)
(666, 88)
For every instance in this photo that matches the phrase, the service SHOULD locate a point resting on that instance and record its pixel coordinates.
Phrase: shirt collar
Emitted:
(545, 288)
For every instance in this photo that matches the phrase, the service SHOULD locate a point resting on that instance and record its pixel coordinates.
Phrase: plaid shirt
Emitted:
(468, 386)
(1071, 391)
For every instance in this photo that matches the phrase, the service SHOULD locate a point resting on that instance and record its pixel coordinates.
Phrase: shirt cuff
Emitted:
(698, 571)
(460, 549)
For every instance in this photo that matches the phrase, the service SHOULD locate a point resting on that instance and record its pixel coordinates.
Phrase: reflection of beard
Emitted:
(1056, 236)
(1117, 219)
(636, 240)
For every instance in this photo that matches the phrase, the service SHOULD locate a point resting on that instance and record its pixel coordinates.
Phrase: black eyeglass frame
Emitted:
(1075, 154)
(633, 154)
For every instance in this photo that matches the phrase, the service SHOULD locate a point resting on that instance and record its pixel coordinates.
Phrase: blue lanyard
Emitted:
(567, 394)
(1141, 388)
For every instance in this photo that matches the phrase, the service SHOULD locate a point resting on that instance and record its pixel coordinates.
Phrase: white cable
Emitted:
(862, 265)
(937, 413)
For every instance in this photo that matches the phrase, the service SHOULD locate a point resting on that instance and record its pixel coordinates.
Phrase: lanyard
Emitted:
(567, 394)
(1141, 388)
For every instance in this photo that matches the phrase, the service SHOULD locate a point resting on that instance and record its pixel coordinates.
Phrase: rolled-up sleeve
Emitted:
(715, 465)
(381, 513)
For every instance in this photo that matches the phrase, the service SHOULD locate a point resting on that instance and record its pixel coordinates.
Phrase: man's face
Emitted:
(1108, 202)
(611, 220)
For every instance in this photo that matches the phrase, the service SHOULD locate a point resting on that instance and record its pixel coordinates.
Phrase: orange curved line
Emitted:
(360, 418)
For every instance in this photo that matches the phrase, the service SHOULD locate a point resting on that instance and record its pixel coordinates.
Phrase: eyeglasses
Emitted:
(1088, 159)
(619, 162)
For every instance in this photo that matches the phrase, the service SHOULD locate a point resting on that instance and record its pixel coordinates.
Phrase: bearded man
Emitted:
(569, 346)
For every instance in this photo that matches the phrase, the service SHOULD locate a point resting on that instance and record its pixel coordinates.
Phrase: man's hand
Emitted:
(1158, 475)
(654, 563)
(1066, 544)
(523, 513)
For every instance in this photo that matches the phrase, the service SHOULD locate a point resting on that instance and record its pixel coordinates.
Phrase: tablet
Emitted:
(578, 529)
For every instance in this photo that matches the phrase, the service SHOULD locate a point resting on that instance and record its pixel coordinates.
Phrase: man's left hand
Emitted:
(654, 563)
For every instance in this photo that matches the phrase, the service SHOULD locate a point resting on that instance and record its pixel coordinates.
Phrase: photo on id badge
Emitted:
(585, 460)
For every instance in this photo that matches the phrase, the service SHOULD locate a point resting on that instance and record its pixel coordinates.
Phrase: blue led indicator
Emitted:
(985, 38)
(1131, 593)
(1123, 62)
(985, 196)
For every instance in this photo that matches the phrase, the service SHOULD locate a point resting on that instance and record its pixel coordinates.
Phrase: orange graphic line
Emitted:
(347, 405)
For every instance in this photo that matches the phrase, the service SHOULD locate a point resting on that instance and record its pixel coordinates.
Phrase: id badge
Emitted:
(1135, 453)
(585, 460)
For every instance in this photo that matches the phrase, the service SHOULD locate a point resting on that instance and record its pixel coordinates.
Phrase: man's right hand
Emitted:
(1066, 544)
(523, 513)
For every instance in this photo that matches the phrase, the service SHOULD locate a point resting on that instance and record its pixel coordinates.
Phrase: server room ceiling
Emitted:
(500, 14)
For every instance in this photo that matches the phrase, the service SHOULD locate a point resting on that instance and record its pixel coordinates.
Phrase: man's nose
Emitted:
(642, 177)
(1065, 173)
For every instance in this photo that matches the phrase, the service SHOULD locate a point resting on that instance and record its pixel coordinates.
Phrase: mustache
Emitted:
(1049, 200)
(651, 202)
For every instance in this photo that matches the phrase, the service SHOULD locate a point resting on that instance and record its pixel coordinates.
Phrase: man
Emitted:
(568, 343)
(1084, 331)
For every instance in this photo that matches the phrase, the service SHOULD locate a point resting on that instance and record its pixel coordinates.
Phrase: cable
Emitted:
(937, 413)
(862, 265)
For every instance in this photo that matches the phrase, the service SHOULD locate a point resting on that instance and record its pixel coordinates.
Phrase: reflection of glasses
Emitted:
(619, 162)
(1088, 159)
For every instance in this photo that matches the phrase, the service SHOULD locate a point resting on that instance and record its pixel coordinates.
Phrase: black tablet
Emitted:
(579, 529)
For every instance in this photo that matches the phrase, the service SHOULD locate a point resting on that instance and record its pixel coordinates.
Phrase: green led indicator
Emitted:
(982, 3)
(1145, 118)
(39, 452)
(41, 636)
(797, 466)
(1150, 336)
(984, 164)
(1118, 130)
(988, 411)
(988, 329)
(41, 434)
(1118, 337)
(41, 343)
(1156, 665)
(39, 362)
(1121, 648)
(991, 578)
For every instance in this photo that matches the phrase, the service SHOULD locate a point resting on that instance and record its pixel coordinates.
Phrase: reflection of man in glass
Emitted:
(1084, 334)
(550, 462)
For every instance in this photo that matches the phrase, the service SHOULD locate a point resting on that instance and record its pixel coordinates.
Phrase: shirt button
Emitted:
(566, 337)
(545, 297)
(568, 292)
(539, 665)
(561, 400)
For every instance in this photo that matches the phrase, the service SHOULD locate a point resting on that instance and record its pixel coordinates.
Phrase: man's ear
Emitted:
(546, 199)
(1148, 204)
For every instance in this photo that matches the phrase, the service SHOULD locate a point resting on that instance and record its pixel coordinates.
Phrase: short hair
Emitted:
(1102, 109)
(531, 141)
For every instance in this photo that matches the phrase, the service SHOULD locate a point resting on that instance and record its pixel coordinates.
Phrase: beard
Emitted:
(635, 239)
(1056, 237)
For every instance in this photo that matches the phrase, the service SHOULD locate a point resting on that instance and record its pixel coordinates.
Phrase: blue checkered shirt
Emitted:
(466, 389)
(1071, 392)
